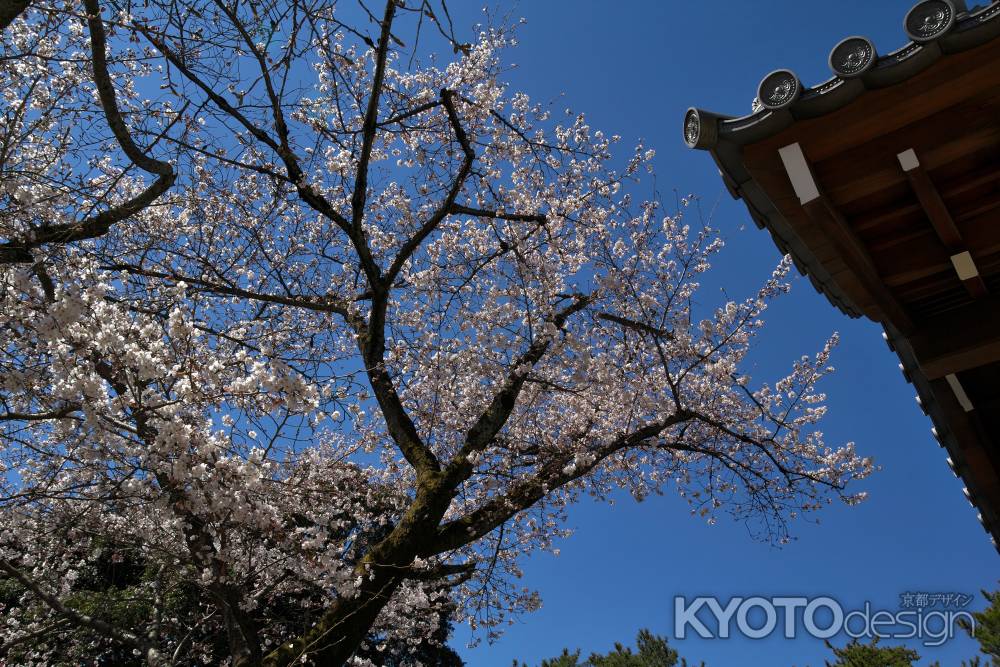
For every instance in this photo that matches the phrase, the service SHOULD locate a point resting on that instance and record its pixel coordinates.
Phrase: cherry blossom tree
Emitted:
(325, 333)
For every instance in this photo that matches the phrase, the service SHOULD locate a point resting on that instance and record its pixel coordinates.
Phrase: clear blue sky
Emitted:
(634, 66)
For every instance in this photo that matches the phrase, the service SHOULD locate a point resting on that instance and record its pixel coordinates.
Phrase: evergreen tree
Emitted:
(651, 651)
(856, 654)
(114, 587)
(654, 651)
(987, 627)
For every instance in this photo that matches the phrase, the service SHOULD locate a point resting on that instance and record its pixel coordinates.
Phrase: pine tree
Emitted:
(856, 654)
(651, 651)
(987, 626)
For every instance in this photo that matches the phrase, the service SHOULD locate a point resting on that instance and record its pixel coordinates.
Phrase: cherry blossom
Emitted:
(323, 334)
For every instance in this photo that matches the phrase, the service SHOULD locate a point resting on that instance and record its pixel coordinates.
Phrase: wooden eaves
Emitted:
(883, 184)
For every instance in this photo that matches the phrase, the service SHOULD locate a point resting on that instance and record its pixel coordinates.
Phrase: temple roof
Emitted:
(883, 184)
(936, 28)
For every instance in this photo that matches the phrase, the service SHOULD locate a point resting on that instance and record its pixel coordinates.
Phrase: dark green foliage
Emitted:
(567, 659)
(987, 630)
(872, 655)
(113, 587)
(118, 588)
(975, 662)
(651, 651)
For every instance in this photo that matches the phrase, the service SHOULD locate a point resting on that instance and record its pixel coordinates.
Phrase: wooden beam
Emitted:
(848, 185)
(930, 200)
(979, 468)
(944, 225)
(968, 273)
(959, 391)
(961, 339)
(917, 255)
(839, 236)
(982, 206)
(773, 181)
(853, 252)
(799, 173)
(957, 188)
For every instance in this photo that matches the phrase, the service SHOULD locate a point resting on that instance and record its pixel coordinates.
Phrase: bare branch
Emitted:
(370, 127)
(61, 413)
(459, 209)
(411, 245)
(632, 324)
(526, 493)
(106, 92)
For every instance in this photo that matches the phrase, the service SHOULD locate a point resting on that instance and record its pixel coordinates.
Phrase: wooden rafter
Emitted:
(944, 225)
(980, 468)
(822, 212)
(960, 339)
(825, 215)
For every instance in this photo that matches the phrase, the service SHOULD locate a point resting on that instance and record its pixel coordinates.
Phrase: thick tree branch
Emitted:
(33, 636)
(106, 93)
(61, 413)
(19, 252)
(637, 326)
(493, 419)
(438, 572)
(459, 209)
(370, 126)
(524, 494)
(400, 425)
(240, 628)
(371, 341)
(380, 298)
(411, 245)
(335, 637)
(415, 111)
(319, 304)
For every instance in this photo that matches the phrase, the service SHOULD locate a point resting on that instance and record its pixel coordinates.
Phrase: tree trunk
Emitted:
(340, 631)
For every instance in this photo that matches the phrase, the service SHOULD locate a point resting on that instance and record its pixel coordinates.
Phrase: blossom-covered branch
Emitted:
(375, 325)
